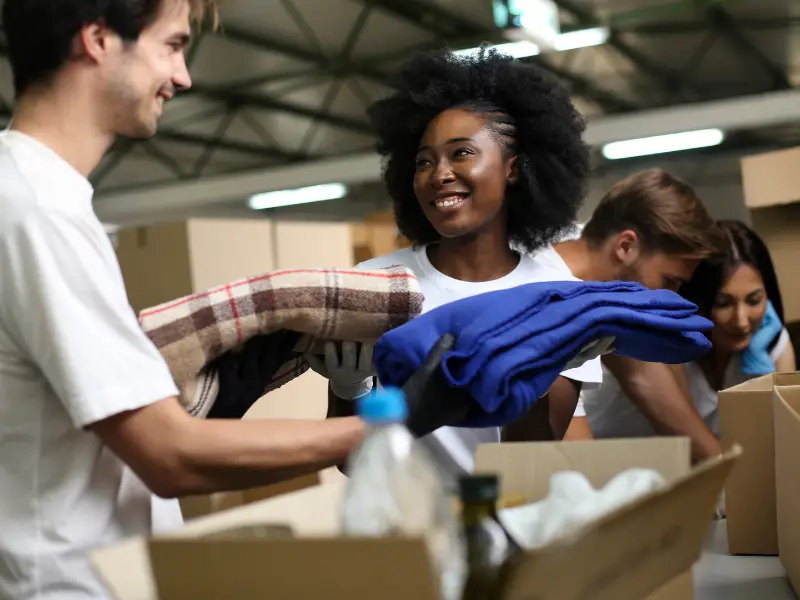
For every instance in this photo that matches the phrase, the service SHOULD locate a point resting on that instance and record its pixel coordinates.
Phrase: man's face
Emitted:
(661, 271)
(145, 74)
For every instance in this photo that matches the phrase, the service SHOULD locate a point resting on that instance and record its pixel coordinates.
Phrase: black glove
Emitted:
(432, 403)
(243, 376)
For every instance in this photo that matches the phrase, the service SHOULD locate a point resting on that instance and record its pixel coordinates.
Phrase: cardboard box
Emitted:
(777, 227)
(376, 235)
(771, 178)
(625, 556)
(746, 418)
(526, 469)
(193, 507)
(786, 405)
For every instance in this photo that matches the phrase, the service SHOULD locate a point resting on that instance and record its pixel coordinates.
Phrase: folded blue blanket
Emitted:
(512, 344)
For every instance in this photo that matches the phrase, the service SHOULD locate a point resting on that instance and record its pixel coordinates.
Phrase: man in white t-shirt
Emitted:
(90, 425)
(651, 228)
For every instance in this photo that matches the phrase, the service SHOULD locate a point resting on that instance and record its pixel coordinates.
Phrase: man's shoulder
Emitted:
(546, 264)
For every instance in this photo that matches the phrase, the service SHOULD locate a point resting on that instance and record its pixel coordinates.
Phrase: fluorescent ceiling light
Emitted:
(314, 193)
(581, 38)
(659, 144)
(513, 49)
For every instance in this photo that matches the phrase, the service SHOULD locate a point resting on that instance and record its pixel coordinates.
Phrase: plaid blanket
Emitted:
(323, 304)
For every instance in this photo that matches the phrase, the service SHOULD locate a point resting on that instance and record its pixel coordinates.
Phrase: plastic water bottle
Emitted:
(394, 489)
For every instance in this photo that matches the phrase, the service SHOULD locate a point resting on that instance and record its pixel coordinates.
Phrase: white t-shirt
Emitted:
(453, 448)
(71, 353)
(611, 414)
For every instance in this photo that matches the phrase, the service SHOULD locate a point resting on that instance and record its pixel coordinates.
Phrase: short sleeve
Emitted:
(779, 345)
(580, 408)
(590, 374)
(64, 305)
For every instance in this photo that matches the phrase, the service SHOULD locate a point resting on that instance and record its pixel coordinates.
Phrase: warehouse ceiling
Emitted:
(288, 81)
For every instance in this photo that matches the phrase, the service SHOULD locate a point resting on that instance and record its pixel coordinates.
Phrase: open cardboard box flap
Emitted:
(745, 418)
(786, 406)
(126, 568)
(664, 532)
(633, 552)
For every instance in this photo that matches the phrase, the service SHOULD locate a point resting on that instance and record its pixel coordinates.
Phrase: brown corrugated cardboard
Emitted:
(786, 404)
(777, 226)
(526, 470)
(624, 556)
(376, 235)
(745, 418)
(771, 178)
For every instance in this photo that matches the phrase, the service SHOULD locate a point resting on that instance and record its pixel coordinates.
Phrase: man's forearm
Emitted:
(654, 389)
(228, 455)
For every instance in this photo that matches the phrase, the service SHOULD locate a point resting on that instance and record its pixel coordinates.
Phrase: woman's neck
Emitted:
(478, 257)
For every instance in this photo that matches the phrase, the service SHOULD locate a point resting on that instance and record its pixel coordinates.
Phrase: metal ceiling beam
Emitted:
(331, 65)
(742, 113)
(233, 146)
(267, 103)
(449, 25)
(671, 81)
(729, 27)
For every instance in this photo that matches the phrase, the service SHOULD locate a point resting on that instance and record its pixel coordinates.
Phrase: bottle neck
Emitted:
(473, 513)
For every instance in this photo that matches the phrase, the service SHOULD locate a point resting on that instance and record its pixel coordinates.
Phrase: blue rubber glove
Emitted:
(756, 359)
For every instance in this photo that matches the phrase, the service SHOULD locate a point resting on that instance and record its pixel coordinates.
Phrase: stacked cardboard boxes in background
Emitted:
(375, 236)
(771, 183)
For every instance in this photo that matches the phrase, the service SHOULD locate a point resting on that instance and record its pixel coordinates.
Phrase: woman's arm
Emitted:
(786, 362)
(550, 417)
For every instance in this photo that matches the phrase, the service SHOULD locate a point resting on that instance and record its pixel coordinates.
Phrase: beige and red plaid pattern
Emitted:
(324, 304)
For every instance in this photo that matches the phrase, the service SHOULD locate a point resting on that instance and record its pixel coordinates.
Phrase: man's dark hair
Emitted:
(663, 210)
(40, 33)
(529, 112)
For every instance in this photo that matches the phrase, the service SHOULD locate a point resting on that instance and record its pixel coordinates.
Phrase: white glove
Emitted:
(350, 377)
(591, 351)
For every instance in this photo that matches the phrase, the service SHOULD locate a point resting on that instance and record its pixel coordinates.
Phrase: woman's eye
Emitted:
(421, 162)
(461, 152)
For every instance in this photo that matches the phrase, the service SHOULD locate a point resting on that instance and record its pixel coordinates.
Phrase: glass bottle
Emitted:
(489, 550)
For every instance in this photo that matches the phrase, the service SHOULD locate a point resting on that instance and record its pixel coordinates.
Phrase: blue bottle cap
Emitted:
(383, 406)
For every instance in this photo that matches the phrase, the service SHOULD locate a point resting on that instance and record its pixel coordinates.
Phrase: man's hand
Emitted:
(243, 375)
(350, 374)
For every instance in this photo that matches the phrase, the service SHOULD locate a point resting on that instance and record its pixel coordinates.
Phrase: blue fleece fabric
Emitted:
(512, 344)
(756, 359)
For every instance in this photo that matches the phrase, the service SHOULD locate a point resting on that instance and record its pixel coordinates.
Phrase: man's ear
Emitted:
(626, 247)
(94, 41)
(512, 172)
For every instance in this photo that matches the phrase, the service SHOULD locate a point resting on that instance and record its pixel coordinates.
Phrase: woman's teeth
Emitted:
(452, 201)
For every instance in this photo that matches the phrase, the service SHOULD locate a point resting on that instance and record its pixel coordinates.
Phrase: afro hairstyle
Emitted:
(528, 110)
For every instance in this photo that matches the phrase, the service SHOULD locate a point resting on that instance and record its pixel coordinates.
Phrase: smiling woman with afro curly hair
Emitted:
(486, 167)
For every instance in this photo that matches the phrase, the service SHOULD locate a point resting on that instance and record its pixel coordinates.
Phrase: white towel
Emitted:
(572, 504)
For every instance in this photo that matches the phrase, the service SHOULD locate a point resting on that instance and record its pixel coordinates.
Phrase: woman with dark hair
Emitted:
(485, 164)
(739, 293)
